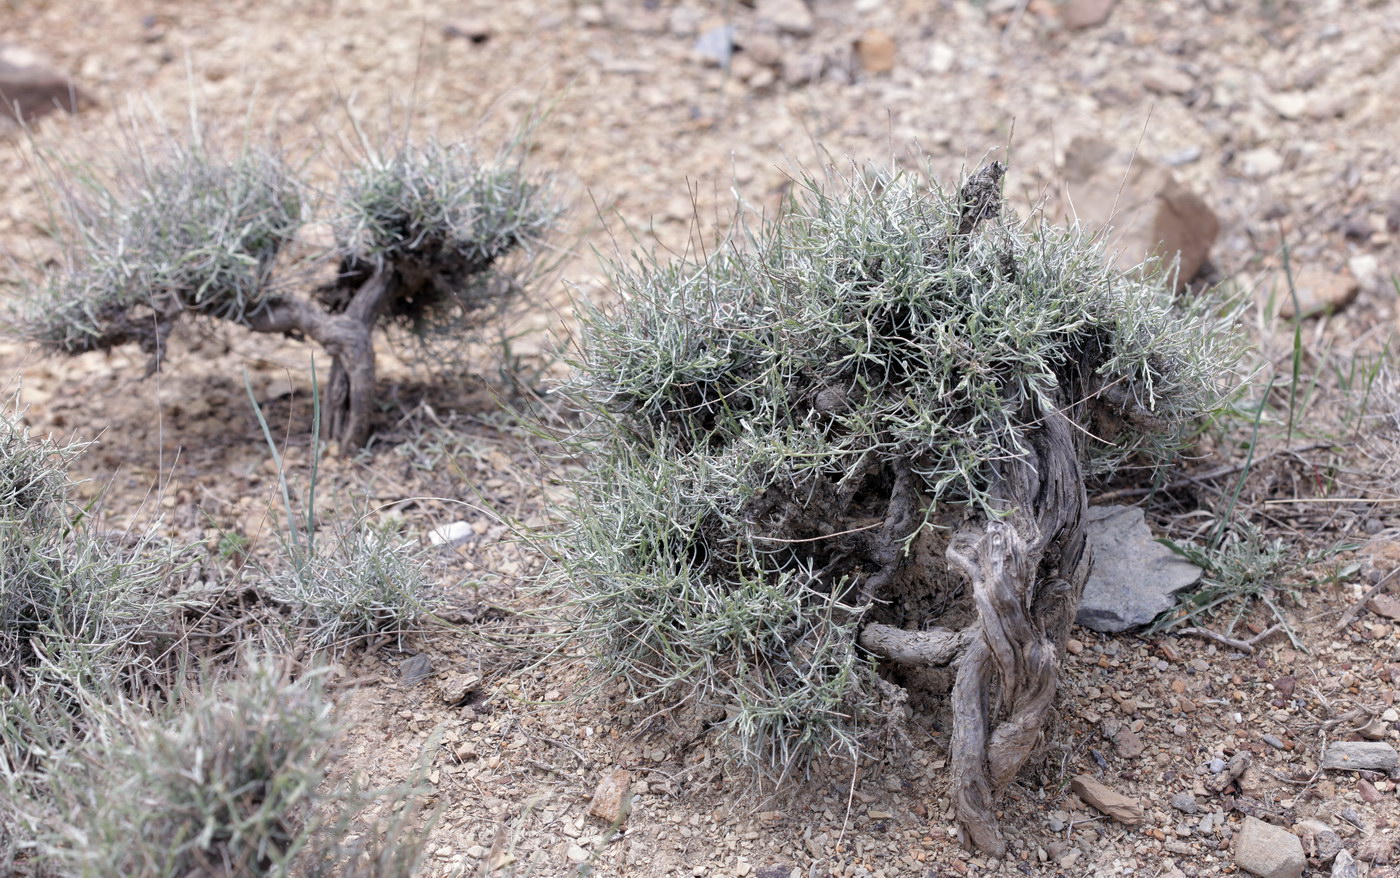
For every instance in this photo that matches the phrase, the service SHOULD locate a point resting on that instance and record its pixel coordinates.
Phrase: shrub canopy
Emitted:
(749, 415)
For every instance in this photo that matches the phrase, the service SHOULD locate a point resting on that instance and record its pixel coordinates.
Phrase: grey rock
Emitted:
(1185, 803)
(1345, 866)
(1215, 766)
(1273, 741)
(1267, 851)
(1360, 756)
(415, 669)
(716, 45)
(1134, 578)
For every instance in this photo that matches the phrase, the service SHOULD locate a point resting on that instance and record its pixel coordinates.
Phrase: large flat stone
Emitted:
(1134, 577)
(1149, 213)
(1267, 851)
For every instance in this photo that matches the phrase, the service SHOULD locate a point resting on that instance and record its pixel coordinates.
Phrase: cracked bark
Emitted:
(1026, 569)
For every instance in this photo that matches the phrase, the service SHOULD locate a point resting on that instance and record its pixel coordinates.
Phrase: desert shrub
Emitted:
(791, 436)
(366, 582)
(232, 781)
(77, 608)
(427, 237)
(442, 219)
(194, 232)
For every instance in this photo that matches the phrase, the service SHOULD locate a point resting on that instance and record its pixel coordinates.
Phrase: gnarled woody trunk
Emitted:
(1026, 568)
(1027, 572)
(349, 338)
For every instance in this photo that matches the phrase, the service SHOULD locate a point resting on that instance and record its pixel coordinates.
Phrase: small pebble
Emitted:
(1074, 647)
(1274, 741)
(1215, 766)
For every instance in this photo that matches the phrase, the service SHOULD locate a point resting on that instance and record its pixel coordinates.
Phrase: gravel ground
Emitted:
(1279, 114)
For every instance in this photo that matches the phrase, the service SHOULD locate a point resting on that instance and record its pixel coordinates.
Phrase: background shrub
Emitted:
(427, 237)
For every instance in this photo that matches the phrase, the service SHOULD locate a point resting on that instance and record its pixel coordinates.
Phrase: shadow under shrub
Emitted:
(847, 451)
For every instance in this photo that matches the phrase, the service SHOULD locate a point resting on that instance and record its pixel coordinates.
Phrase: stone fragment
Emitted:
(1134, 578)
(612, 799)
(1360, 756)
(1151, 213)
(1376, 849)
(1081, 14)
(475, 32)
(1318, 292)
(1267, 851)
(1116, 805)
(803, 69)
(1366, 268)
(1288, 104)
(1258, 164)
(577, 854)
(1369, 794)
(1319, 841)
(790, 16)
(29, 88)
(763, 49)
(1168, 81)
(685, 21)
(1345, 866)
(415, 669)
(716, 45)
(1327, 104)
(451, 534)
(1127, 743)
(1185, 803)
(875, 50)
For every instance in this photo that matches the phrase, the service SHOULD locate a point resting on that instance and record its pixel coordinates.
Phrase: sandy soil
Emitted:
(1279, 114)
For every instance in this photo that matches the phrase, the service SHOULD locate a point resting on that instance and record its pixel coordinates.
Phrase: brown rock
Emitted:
(612, 800)
(30, 89)
(1167, 81)
(1376, 849)
(1319, 292)
(1150, 212)
(1369, 794)
(1128, 744)
(1386, 605)
(762, 49)
(1110, 802)
(1081, 14)
(876, 50)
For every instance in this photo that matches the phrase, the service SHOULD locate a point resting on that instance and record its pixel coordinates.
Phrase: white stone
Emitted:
(450, 534)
